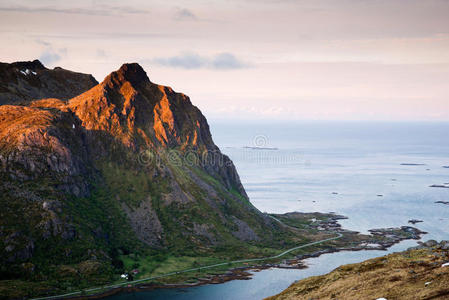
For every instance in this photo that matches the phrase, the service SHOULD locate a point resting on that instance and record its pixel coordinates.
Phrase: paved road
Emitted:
(339, 235)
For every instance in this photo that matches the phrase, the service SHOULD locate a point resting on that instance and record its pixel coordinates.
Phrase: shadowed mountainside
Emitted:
(21, 82)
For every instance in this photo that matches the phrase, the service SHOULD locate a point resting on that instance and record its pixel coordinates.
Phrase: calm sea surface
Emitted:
(381, 173)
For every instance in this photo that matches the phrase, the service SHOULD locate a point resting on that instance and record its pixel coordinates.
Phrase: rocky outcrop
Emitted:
(18, 247)
(244, 232)
(145, 223)
(21, 82)
(36, 143)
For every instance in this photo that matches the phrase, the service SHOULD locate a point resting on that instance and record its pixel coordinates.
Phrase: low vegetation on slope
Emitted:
(419, 273)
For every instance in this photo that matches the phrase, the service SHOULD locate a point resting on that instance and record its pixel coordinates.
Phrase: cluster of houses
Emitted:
(129, 276)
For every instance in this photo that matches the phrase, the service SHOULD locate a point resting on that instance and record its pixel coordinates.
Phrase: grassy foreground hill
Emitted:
(416, 274)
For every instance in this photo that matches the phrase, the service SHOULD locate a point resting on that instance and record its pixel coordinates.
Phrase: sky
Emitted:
(253, 60)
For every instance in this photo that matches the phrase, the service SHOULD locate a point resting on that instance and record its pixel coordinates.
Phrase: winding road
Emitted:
(339, 235)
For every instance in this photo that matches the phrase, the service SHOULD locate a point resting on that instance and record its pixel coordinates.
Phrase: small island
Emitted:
(442, 202)
(444, 186)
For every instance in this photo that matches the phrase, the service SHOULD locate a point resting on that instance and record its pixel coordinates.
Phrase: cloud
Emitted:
(183, 14)
(49, 57)
(103, 35)
(42, 42)
(101, 53)
(221, 61)
(62, 51)
(184, 61)
(227, 61)
(104, 10)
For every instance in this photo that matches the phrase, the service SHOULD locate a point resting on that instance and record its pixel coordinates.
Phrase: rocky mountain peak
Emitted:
(129, 72)
(129, 107)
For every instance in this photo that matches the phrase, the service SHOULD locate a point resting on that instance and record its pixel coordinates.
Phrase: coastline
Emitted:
(383, 238)
(232, 274)
(419, 272)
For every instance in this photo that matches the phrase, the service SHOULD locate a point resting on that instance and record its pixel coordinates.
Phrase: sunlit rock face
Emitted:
(127, 104)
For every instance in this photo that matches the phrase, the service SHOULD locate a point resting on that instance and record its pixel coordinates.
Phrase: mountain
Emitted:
(126, 169)
(21, 82)
(420, 272)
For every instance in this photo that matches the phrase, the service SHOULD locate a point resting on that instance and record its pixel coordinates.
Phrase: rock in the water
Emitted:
(414, 221)
(444, 245)
(431, 243)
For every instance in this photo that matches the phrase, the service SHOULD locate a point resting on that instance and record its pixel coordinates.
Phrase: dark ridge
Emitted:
(33, 65)
(25, 81)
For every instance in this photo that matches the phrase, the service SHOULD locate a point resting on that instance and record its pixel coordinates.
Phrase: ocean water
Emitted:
(376, 174)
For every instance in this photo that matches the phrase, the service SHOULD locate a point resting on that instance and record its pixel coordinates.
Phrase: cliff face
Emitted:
(35, 143)
(126, 165)
(21, 82)
(143, 115)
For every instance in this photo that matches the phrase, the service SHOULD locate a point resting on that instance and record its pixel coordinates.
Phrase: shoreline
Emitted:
(418, 272)
(384, 238)
(240, 273)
